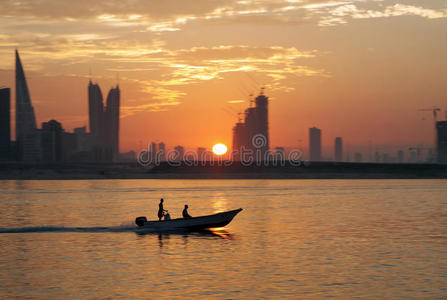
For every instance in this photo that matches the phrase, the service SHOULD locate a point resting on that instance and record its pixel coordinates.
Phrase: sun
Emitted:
(220, 149)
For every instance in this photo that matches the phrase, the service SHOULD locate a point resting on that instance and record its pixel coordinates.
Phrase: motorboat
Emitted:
(194, 223)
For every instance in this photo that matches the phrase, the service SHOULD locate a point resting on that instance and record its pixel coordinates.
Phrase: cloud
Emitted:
(198, 64)
(87, 9)
(240, 53)
(163, 17)
(167, 72)
(126, 111)
(340, 14)
(192, 66)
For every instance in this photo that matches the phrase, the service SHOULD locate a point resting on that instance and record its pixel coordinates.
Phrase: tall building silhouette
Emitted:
(280, 153)
(27, 135)
(179, 152)
(51, 135)
(95, 109)
(5, 124)
(338, 149)
(153, 152)
(239, 139)
(112, 121)
(441, 141)
(314, 144)
(104, 122)
(201, 152)
(96, 121)
(262, 126)
(161, 154)
(253, 132)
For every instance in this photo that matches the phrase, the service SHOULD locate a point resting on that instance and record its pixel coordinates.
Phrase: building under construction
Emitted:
(441, 141)
(252, 133)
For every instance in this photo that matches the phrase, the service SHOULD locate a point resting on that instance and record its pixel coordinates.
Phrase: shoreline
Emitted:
(307, 170)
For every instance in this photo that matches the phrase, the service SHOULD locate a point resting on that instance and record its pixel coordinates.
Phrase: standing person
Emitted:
(161, 210)
(185, 212)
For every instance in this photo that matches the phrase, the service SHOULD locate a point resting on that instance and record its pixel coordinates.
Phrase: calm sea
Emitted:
(306, 239)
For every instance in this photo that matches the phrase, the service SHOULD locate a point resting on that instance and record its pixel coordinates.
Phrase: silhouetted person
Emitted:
(185, 212)
(161, 210)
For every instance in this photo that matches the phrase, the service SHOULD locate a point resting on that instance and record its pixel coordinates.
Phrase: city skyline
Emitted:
(95, 91)
(337, 66)
(101, 143)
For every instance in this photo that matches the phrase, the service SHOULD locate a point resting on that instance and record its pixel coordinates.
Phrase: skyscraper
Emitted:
(161, 151)
(153, 152)
(179, 153)
(262, 126)
(238, 137)
(5, 123)
(338, 151)
(112, 121)
(51, 135)
(441, 141)
(253, 133)
(314, 144)
(27, 135)
(96, 120)
(95, 109)
(280, 154)
(201, 154)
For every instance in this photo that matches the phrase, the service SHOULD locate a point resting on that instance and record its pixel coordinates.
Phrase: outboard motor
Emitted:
(140, 221)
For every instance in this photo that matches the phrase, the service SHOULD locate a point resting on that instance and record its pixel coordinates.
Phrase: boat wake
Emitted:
(220, 232)
(121, 228)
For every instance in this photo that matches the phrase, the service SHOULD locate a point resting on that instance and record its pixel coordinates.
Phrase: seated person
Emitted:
(185, 212)
(167, 216)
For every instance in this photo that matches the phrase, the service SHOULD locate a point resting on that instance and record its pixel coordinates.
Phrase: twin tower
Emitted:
(104, 122)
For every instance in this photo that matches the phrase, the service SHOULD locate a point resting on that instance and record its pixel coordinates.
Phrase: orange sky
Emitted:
(357, 69)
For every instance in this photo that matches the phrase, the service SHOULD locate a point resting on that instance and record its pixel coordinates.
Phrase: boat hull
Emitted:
(195, 223)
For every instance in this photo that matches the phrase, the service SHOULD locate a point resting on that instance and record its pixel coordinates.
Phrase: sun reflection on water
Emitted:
(219, 202)
(222, 233)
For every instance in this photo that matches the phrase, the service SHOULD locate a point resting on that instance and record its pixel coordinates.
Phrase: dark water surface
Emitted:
(294, 239)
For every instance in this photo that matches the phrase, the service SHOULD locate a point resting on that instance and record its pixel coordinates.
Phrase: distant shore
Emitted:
(306, 170)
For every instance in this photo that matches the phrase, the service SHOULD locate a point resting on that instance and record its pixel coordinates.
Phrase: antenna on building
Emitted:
(262, 90)
(90, 73)
(117, 79)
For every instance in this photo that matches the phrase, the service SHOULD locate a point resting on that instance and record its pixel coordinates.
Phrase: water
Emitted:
(294, 239)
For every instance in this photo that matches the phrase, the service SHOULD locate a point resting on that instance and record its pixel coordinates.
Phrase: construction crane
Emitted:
(434, 110)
